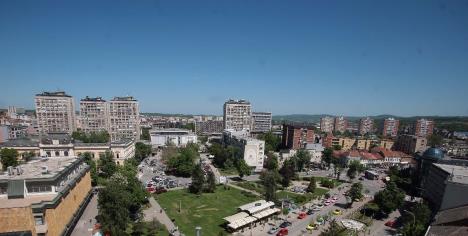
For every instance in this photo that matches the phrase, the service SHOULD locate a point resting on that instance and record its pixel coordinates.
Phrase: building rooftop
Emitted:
(240, 101)
(458, 174)
(40, 168)
(127, 98)
(174, 131)
(433, 153)
(90, 99)
(21, 142)
(53, 94)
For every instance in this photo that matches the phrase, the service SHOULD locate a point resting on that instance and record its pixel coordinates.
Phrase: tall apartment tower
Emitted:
(423, 127)
(326, 124)
(261, 122)
(390, 128)
(340, 124)
(237, 114)
(55, 112)
(366, 125)
(94, 114)
(124, 118)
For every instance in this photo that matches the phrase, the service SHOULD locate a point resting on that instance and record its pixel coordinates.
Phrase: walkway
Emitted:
(84, 226)
(155, 211)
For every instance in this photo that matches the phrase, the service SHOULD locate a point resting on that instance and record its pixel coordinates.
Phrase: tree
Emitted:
(416, 226)
(269, 179)
(145, 135)
(211, 183)
(9, 157)
(355, 192)
(198, 179)
(272, 142)
(92, 137)
(337, 147)
(90, 161)
(327, 156)
(114, 201)
(142, 151)
(435, 140)
(169, 152)
(337, 168)
(354, 168)
(182, 164)
(287, 171)
(106, 165)
(28, 156)
(303, 159)
(271, 162)
(312, 185)
(390, 198)
(242, 168)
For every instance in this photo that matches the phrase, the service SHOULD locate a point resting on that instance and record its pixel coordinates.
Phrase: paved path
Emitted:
(84, 226)
(244, 189)
(155, 211)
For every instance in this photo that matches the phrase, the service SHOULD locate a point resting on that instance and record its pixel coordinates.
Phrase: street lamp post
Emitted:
(412, 214)
(198, 230)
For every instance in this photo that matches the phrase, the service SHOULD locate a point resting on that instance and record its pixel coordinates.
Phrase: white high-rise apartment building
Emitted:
(55, 112)
(237, 115)
(327, 124)
(124, 118)
(366, 125)
(261, 122)
(94, 114)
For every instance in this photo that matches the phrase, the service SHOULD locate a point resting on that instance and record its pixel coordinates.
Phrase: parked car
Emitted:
(273, 230)
(282, 232)
(302, 215)
(391, 223)
(160, 190)
(310, 212)
(285, 224)
(337, 212)
(312, 226)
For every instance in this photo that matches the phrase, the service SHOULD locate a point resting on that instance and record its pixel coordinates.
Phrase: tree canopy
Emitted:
(9, 157)
(390, 198)
(92, 137)
(272, 141)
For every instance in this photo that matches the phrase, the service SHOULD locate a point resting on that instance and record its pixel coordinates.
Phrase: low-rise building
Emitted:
(261, 122)
(252, 150)
(177, 137)
(44, 196)
(364, 144)
(315, 150)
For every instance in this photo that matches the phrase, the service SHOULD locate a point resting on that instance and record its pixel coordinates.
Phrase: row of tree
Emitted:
(181, 161)
(200, 182)
(91, 137)
(229, 157)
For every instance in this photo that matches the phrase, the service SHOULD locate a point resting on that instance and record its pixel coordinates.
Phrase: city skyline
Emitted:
(192, 57)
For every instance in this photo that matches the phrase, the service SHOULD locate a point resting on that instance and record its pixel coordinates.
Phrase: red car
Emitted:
(302, 215)
(390, 223)
(282, 232)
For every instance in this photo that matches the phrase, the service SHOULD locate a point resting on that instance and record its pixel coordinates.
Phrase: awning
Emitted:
(266, 213)
(242, 222)
(260, 208)
(252, 204)
(235, 217)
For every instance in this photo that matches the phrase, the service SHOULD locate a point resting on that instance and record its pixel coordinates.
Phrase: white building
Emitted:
(237, 115)
(326, 124)
(55, 112)
(124, 118)
(315, 150)
(261, 122)
(177, 137)
(252, 150)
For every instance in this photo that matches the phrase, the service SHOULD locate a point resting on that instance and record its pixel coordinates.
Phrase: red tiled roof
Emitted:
(371, 156)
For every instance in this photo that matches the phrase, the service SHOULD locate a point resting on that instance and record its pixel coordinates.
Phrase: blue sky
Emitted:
(287, 57)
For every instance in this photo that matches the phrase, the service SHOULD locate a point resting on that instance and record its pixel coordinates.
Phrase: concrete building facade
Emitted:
(327, 124)
(423, 128)
(390, 128)
(44, 197)
(261, 122)
(124, 118)
(55, 112)
(94, 114)
(366, 125)
(411, 144)
(340, 124)
(237, 115)
(252, 150)
(209, 127)
(177, 137)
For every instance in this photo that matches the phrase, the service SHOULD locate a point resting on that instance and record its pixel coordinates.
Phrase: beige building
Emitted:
(94, 114)
(55, 112)
(124, 118)
(366, 125)
(345, 143)
(364, 144)
(410, 144)
(237, 115)
(386, 143)
(44, 196)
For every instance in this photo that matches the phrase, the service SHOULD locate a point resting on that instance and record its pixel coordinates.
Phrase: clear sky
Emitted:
(287, 57)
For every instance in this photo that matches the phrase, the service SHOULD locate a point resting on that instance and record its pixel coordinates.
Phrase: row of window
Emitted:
(39, 188)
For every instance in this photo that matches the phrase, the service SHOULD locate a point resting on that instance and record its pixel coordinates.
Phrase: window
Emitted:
(48, 154)
(57, 153)
(65, 153)
(39, 188)
(39, 219)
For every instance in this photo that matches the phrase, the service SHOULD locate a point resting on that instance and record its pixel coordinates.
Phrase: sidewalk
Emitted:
(155, 212)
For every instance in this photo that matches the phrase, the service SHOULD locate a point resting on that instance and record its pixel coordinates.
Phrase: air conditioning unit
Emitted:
(11, 170)
(19, 170)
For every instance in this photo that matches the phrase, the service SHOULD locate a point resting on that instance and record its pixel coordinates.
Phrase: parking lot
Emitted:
(151, 175)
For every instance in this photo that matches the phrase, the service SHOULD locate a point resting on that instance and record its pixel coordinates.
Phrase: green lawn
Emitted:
(301, 198)
(254, 186)
(207, 210)
(228, 172)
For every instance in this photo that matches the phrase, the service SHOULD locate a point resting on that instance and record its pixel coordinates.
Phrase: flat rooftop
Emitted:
(33, 169)
(459, 173)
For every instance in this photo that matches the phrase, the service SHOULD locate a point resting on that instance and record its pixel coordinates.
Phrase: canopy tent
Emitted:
(260, 208)
(266, 213)
(241, 222)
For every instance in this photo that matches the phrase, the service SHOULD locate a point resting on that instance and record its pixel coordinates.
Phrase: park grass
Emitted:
(254, 186)
(301, 198)
(228, 172)
(206, 210)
